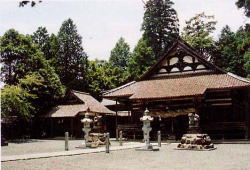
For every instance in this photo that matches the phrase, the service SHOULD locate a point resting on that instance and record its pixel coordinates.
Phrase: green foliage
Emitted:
(72, 58)
(15, 49)
(245, 4)
(160, 25)
(103, 76)
(120, 55)
(53, 55)
(15, 101)
(24, 64)
(46, 85)
(233, 51)
(247, 63)
(41, 38)
(197, 33)
(142, 59)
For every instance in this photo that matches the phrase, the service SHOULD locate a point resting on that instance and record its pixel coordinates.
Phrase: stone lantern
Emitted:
(193, 122)
(86, 128)
(146, 119)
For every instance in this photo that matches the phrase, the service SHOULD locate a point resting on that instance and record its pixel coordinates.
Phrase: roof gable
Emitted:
(181, 59)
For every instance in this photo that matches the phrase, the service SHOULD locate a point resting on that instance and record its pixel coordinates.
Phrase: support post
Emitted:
(66, 141)
(51, 128)
(120, 138)
(72, 127)
(107, 143)
(116, 120)
(247, 110)
(159, 138)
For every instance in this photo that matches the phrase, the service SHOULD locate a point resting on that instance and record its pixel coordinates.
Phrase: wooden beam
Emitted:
(221, 104)
(219, 100)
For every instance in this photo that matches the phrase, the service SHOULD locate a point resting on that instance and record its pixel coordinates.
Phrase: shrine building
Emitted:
(183, 82)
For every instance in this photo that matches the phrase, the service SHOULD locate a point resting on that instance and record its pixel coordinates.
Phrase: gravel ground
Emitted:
(40, 146)
(226, 156)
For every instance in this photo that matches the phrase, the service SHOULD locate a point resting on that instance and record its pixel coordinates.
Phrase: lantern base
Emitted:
(147, 148)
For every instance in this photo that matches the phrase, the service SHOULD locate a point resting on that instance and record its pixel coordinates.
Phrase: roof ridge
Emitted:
(238, 77)
(80, 92)
(182, 76)
(120, 87)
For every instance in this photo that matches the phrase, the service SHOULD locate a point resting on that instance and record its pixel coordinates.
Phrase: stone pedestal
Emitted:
(194, 139)
(196, 142)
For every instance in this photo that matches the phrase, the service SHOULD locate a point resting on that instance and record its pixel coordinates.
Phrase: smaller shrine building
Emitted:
(67, 117)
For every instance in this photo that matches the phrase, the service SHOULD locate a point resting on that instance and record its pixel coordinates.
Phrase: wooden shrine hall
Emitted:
(183, 81)
(67, 116)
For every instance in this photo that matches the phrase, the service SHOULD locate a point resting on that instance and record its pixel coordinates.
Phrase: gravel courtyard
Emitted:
(226, 156)
(38, 146)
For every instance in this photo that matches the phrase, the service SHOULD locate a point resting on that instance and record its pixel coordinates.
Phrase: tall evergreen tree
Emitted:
(142, 58)
(233, 50)
(197, 32)
(41, 38)
(160, 25)
(120, 54)
(72, 58)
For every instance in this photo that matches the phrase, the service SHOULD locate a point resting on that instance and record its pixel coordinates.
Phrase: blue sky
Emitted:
(102, 22)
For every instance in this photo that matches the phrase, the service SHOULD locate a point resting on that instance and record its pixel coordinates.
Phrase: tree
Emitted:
(160, 25)
(142, 59)
(26, 2)
(226, 48)
(22, 58)
(15, 50)
(15, 101)
(72, 58)
(46, 85)
(103, 76)
(41, 38)
(120, 55)
(197, 33)
(244, 4)
(233, 50)
(247, 63)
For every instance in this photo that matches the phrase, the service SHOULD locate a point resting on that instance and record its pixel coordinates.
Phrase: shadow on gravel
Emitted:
(20, 141)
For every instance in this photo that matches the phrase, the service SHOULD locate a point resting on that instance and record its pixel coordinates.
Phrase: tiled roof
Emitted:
(66, 110)
(73, 109)
(177, 87)
(92, 103)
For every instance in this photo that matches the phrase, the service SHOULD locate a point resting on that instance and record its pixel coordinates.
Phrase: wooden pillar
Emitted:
(72, 127)
(172, 125)
(247, 112)
(51, 127)
(116, 120)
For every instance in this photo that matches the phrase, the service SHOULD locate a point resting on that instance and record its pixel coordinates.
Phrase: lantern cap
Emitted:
(146, 112)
